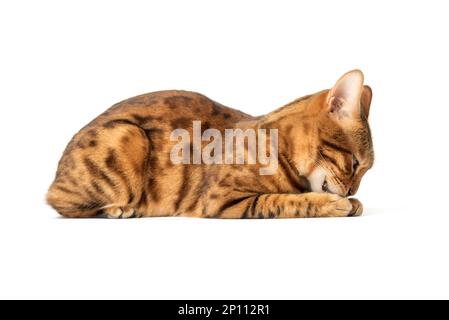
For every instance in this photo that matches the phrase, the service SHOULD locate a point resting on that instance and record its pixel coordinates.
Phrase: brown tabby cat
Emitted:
(119, 164)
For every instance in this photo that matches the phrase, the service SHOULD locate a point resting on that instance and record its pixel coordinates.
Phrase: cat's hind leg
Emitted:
(120, 212)
(102, 171)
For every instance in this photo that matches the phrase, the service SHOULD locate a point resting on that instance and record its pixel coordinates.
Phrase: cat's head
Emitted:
(345, 149)
(333, 147)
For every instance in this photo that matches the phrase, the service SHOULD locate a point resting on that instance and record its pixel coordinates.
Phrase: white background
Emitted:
(64, 62)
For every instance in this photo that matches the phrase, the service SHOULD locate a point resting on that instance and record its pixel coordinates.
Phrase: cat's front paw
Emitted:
(336, 206)
(357, 208)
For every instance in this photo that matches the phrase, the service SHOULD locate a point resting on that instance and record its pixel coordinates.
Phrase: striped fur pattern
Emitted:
(118, 165)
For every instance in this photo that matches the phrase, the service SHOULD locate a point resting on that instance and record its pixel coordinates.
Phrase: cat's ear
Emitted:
(344, 98)
(365, 100)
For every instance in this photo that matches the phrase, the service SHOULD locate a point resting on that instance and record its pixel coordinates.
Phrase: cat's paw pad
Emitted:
(120, 213)
(357, 208)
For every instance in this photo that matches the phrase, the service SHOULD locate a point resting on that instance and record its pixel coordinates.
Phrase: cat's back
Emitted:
(158, 114)
(176, 107)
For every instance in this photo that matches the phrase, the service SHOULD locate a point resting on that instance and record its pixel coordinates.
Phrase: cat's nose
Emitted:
(350, 192)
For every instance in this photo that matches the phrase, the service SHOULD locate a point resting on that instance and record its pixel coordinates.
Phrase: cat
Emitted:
(120, 164)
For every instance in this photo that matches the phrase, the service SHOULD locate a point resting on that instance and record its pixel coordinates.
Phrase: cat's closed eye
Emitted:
(355, 163)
